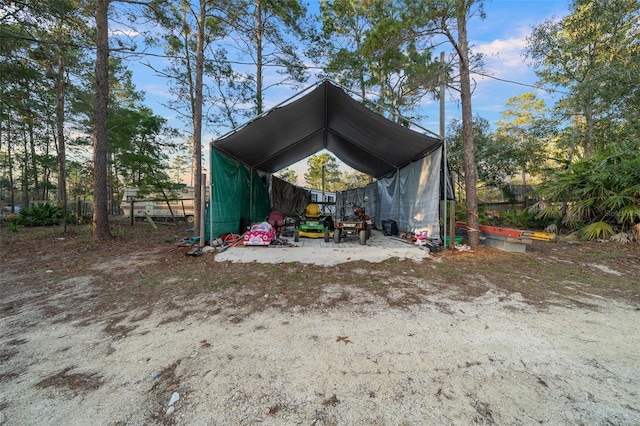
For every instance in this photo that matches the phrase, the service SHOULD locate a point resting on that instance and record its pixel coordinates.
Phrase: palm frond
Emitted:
(597, 230)
(617, 201)
(629, 213)
(572, 215)
(550, 211)
(621, 237)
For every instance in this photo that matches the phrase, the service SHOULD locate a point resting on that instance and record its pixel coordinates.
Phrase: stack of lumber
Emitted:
(508, 239)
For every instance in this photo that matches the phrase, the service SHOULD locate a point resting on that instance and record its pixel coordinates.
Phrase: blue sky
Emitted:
(500, 37)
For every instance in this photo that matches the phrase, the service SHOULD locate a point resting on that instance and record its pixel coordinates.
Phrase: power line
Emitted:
(165, 56)
(521, 84)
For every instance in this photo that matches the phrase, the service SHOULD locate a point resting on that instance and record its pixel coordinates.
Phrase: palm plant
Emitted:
(602, 192)
(46, 214)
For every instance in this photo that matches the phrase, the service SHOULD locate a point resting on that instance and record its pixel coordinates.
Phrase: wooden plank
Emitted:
(150, 220)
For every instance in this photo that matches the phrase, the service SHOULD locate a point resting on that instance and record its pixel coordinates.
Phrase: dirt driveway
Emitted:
(135, 332)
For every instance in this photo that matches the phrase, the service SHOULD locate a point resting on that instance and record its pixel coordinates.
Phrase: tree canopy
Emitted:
(593, 56)
(323, 172)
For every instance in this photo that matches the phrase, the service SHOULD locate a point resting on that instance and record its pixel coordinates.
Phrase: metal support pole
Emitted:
(203, 199)
(211, 211)
(322, 204)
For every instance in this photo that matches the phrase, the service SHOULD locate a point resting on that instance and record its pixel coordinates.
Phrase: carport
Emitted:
(407, 164)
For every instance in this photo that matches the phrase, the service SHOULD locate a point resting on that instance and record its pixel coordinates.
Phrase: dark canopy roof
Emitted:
(326, 118)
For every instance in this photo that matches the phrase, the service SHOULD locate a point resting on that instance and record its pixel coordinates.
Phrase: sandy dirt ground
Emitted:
(193, 359)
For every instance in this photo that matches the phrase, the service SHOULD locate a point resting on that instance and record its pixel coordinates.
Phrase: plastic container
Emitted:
(458, 239)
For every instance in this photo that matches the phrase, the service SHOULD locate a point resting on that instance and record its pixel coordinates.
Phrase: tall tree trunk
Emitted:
(34, 161)
(197, 118)
(469, 160)
(62, 156)
(2, 166)
(100, 143)
(524, 188)
(589, 143)
(259, 34)
(24, 181)
(524, 174)
(46, 172)
(12, 192)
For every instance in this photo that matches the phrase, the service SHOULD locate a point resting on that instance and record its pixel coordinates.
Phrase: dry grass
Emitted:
(143, 269)
(76, 383)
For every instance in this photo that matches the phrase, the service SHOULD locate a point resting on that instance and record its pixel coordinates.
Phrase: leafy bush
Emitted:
(526, 219)
(461, 212)
(46, 214)
(11, 225)
(598, 191)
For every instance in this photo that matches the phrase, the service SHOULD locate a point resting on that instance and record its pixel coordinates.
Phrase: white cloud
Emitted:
(157, 90)
(126, 32)
(504, 57)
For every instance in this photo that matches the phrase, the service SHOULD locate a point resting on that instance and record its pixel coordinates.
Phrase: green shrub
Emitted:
(11, 225)
(598, 190)
(46, 214)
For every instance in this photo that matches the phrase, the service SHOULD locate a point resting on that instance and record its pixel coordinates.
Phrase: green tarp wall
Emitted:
(236, 192)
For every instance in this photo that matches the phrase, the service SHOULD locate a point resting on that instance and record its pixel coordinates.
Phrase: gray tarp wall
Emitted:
(411, 197)
(287, 198)
(366, 197)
